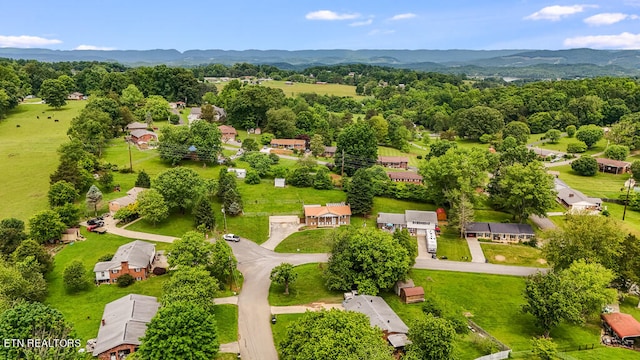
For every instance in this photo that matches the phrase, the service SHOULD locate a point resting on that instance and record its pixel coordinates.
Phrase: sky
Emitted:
(328, 24)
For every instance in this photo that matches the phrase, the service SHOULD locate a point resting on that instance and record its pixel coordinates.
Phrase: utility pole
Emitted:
(626, 202)
(130, 162)
(224, 214)
(230, 273)
(342, 172)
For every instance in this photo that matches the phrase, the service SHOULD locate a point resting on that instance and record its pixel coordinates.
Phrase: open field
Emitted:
(29, 152)
(322, 89)
(561, 145)
(307, 241)
(602, 185)
(307, 289)
(84, 309)
(412, 155)
(513, 254)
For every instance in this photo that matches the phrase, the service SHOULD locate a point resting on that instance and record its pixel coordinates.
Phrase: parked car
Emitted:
(93, 221)
(231, 237)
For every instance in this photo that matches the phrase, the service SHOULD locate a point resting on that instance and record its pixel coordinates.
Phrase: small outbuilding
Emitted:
(624, 327)
(71, 235)
(279, 182)
(441, 214)
(410, 295)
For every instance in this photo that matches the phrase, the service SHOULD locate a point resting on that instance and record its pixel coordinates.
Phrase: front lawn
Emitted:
(513, 254)
(603, 185)
(307, 289)
(227, 320)
(452, 246)
(307, 241)
(176, 225)
(561, 145)
(84, 309)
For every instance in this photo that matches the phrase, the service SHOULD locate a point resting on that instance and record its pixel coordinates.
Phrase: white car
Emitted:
(231, 237)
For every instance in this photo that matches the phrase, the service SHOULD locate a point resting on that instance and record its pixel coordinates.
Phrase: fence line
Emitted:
(504, 349)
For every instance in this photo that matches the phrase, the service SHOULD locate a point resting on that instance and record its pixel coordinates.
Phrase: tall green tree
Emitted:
(518, 130)
(12, 233)
(30, 248)
(409, 243)
(477, 121)
(180, 330)
(94, 197)
(589, 134)
(69, 214)
(284, 274)
(316, 145)
(180, 187)
(61, 193)
(431, 338)
(152, 207)
(223, 263)
(358, 143)
(74, 277)
(360, 193)
(461, 213)
(281, 123)
(143, 180)
(21, 281)
(617, 152)
(203, 215)
(191, 250)
(46, 226)
(366, 257)
(333, 334)
(589, 282)
(585, 166)
(54, 93)
(193, 284)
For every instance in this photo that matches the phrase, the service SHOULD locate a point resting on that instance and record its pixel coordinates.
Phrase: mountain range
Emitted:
(562, 63)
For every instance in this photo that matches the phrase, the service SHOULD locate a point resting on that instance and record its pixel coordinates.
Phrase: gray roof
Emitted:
(572, 196)
(130, 198)
(421, 216)
(139, 132)
(504, 228)
(379, 312)
(391, 218)
(398, 340)
(477, 227)
(137, 125)
(125, 321)
(139, 254)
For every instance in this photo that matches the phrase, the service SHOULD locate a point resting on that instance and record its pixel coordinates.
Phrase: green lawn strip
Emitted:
(307, 241)
(307, 289)
(469, 144)
(603, 185)
(412, 155)
(513, 254)
(491, 216)
(452, 246)
(561, 145)
(603, 352)
(226, 356)
(176, 225)
(227, 320)
(29, 152)
(291, 90)
(279, 329)
(84, 309)
(630, 306)
(495, 302)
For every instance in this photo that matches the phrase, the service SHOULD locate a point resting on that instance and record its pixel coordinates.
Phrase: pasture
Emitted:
(297, 88)
(28, 155)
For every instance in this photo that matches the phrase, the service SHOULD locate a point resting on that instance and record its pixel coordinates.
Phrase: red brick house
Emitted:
(613, 166)
(228, 133)
(405, 176)
(396, 162)
(290, 144)
(123, 323)
(331, 215)
(134, 258)
(140, 137)
(329, 151)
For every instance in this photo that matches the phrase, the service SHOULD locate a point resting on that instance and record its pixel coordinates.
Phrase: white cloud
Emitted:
(92, 47)
(403, 16)
(380, 32)
(362, 23)
(26, 41)
(557, 12)
(330, 15)
(608, 18)
(624, 40)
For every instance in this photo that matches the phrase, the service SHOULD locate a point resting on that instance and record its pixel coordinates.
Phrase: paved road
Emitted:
(542, 222)
(482, 268)
(254, 312)
(279, 228)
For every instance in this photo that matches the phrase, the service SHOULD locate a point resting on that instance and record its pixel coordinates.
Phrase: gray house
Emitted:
(416, 221)
(382, 316)
(499, 232)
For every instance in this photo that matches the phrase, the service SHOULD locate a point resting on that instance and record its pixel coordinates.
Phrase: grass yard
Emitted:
(84, 309)
(413, 155)
(176, 225)
(227, 320)
(279, 329)
(322, 89)
(307, 241)
(513, 254)
(29, 151)
(226, 356)
(603, 353)
(452, 246)
(603, 185)
(307, 289)
(561, 145)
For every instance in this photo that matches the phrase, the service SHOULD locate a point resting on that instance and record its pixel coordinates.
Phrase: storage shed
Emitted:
(410, 295)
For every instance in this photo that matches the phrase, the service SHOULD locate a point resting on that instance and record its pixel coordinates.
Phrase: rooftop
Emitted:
(335, 209)
(624, 325)
(393, 159)
(404, 175)
(614, 163)
(139, 254)
(379, 312)
(288, 141)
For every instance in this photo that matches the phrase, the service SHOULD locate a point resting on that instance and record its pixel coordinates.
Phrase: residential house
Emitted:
(228, 133)
(137, 126)
(124, 322)
(575, 201)
(499, 232)
(405, 176)
(623, 327)
(195, 114)
(291, 144)
(130, 198)
(416, 221)
(71, 235)
(329, 151)
(134, 258)
(381, 315)
(331, 215)
(395, 162)
(177, 105)
(140, 137)
(75, 96)
(221, 114)
(613, 166)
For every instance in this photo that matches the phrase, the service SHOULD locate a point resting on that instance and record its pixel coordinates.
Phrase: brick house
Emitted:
(613, 166)
(228, 133)
(123, 323)
(291, 144)
(140, 137)
(130, 198)
(75, 96)
(405, 176)
(134, 258)
(395, 162)
(331, 215)
(499, 232)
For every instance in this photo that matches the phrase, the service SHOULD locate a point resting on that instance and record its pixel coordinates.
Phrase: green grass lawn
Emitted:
(176, 225)
(603, 185)
(29, 152)
(452, 246)
(513, 254)
(322, 89)
(412, 155)
(85, 308)
(307, 289)
(561, 145)
(279, 329)
(227, 320)
(226, 356)
(307, 241)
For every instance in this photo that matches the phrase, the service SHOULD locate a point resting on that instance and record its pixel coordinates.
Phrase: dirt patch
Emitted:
(467, 314)
(500, 258)
(541, 261)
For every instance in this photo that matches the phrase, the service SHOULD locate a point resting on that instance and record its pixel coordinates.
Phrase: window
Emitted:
(115, 271)
(136, 269)
(138, 278)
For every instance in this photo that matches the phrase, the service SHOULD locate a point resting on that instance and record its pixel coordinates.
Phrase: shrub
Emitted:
(617, 152)
(159, 271)
(571, 130)
(125, 280)
(606, 213)
(486, 138)
(585, 166)
(105, 257)
(419, 157)
(252, 177)
(74, 277)
(274, 158)
(576, 148)
(174, 119)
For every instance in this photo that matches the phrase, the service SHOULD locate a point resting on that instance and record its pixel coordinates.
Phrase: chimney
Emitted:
(102, 322)
(570, 195)
(124, 266)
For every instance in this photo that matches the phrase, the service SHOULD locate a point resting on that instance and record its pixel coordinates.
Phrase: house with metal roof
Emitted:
(135, 258)
(123, 323)
(380, 315)
(624, 327)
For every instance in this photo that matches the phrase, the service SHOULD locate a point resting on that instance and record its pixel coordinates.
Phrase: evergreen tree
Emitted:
(360, 193)
(203, 215)
(143, 180)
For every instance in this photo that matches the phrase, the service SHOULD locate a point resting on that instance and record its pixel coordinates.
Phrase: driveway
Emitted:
(279, 228)
(110, 225)
(477, 255)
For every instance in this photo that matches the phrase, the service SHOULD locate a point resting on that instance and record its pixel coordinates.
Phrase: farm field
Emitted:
(30, 152)
(321, 89)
